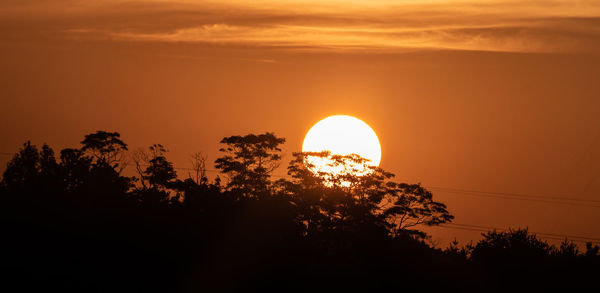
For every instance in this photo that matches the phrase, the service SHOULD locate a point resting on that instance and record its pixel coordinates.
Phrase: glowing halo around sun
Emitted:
(341, 135)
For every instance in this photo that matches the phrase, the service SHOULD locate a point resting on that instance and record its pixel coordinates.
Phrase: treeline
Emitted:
(76, 222)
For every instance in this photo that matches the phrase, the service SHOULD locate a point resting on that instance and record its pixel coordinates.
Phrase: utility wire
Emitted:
(538, 233)
(580, 202)
(483, 231)
(524, 195)
(477, 228)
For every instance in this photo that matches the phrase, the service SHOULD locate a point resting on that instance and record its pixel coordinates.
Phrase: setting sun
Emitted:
(341, 135)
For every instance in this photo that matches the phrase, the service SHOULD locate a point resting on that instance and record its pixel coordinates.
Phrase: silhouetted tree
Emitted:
(591, 250)
(50, 171)
(32, 170)
(198, 161)
(105, 148)
(249, 161)
(341, 200)
(456, 252)
(504, 246)
(567, 249)
(23, 169)
(75, 168)
(105, 151)
(410, 205)
(158, 179)
(160, 172)
(520, 258)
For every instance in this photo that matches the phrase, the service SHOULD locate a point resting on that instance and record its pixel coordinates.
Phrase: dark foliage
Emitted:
(522, 258)
(79, 224)
(249, 161)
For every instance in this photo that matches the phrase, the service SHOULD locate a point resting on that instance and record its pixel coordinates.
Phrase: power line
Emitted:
(580, 202)
(525, 195)
(478, 228)
(539, 233)
(483, 230)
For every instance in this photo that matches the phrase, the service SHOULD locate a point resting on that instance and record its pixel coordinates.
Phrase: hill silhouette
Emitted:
(76, 223)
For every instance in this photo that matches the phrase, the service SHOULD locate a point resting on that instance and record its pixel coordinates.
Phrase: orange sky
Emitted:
(483, 95)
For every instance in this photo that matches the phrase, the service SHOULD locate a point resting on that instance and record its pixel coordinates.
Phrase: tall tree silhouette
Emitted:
(160, 171)
(372, 201)
(249, 161)
(32, 170)
(76, 168)
(410, 205)
(106, 152)
(105, 147)
(198, 160)
(158, 178)
(22, 171)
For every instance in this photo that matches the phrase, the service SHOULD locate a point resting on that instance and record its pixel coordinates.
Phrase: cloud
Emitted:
(548, 26)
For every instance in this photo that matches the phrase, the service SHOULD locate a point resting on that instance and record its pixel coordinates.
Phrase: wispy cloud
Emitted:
(536, 26)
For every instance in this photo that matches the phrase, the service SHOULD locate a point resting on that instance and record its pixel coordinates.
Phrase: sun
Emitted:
(341, 135)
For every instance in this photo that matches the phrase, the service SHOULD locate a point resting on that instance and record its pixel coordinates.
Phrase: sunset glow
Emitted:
(506, 26)
(250, 133)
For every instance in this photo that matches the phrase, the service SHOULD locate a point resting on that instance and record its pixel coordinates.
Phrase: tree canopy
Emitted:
(249, 161)
(80, 221)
